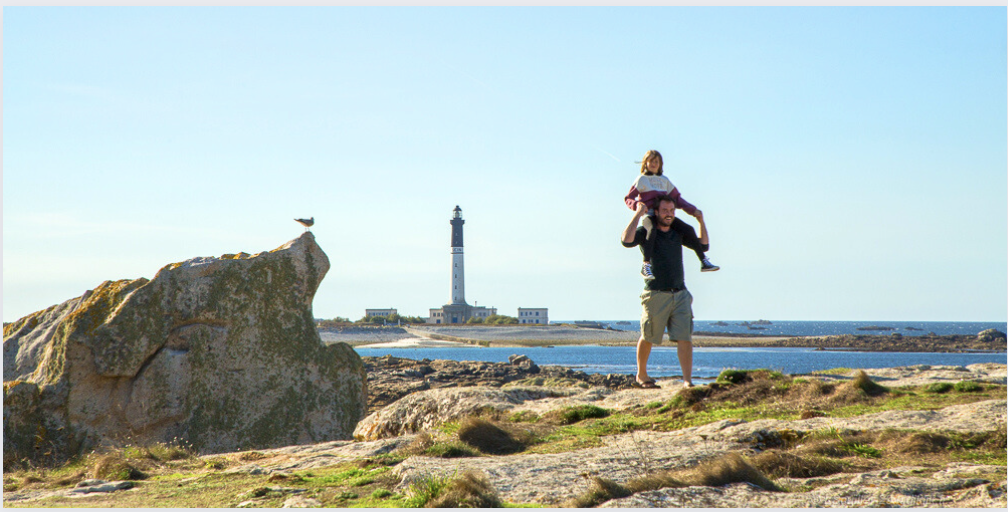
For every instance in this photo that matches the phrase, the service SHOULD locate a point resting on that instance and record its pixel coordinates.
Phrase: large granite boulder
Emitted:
(221, 353)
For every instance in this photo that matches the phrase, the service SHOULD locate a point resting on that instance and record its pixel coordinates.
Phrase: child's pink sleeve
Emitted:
(631, 197)
(682, 203)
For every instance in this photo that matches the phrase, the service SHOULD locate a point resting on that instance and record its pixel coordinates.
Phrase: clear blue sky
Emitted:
(851, 162)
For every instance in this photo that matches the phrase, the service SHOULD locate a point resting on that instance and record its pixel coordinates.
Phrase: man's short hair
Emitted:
(665, 199)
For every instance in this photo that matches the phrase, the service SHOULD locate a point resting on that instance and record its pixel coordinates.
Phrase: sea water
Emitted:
(707, 362)
(824, 328)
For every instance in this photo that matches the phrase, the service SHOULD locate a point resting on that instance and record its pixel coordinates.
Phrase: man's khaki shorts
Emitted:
(672, 310)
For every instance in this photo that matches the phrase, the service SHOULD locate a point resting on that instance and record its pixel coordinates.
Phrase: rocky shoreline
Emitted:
(392, 378)
(871, 456)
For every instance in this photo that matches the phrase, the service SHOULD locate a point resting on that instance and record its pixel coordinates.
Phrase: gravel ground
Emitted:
(364, 335)
(557, 334)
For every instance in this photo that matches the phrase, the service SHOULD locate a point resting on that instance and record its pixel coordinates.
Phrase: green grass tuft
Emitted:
(728, 377)
(524, 417)
(569, 415)
(425, 489)
(968, 386)
(939, 387)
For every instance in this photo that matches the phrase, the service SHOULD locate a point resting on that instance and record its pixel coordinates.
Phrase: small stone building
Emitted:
(533, 316)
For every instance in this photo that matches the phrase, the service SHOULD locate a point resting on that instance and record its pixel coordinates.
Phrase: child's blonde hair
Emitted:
(647, 157)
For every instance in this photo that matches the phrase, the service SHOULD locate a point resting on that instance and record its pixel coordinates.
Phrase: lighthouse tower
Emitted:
(457, 311)
(458, 268)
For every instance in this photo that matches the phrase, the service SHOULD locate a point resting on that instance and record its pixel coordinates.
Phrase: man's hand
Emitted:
(630, 232)
(641, 209)
(697, 214)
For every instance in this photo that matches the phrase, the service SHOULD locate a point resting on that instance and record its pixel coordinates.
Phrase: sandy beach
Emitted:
(430, 336)
(425, 336)
(415, 343)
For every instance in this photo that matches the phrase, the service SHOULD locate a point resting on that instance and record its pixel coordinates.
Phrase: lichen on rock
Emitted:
(219, 353)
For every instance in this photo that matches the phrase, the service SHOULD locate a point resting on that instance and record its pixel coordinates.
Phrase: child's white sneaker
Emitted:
(645, 271)
(707, 266)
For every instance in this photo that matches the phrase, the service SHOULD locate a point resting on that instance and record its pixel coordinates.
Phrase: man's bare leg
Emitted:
(643, 353)
(685, 351)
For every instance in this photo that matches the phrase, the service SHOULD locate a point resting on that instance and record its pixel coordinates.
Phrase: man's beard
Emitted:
(662, 223)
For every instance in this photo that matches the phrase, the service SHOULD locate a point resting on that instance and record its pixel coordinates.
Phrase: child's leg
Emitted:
(700, 255)
(648, 246)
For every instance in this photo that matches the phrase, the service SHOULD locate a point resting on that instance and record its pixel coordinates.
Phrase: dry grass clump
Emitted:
(600, 490)
(862, 382)
(913, 442)
(488, 437)
(724, 470)
(920, 443)
(810, 391)
(823, 447)
(113, 466)
(419, 444)
(692, 396)
(471, 490)
(250, 456)
(425, 445)
(781, 464)
(727, 469)
(811, 413)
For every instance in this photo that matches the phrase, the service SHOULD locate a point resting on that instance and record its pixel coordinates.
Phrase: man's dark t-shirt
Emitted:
(666, 261)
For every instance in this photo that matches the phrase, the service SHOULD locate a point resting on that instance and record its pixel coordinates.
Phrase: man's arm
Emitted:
(703, 228)
(630, 232)
(689, 235)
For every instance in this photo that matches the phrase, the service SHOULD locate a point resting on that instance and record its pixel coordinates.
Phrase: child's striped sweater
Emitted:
(648, 187)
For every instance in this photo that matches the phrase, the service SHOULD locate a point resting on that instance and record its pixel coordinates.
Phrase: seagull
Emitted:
(307, 223)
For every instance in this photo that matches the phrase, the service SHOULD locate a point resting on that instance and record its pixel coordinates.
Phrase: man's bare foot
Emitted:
(646, 382)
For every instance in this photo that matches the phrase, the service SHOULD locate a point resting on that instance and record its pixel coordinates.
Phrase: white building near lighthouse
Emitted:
(537, 316)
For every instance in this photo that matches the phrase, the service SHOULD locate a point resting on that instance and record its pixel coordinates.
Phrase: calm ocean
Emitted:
(709, 362)
(823, 328)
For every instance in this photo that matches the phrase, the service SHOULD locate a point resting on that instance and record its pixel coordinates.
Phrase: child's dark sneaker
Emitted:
(707, 266)
(646, 271)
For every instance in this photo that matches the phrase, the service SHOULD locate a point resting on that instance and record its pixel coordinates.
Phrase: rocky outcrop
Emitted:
(992, 336)
(990, 340)
(391, 378)
(424, 410)
(219, 353)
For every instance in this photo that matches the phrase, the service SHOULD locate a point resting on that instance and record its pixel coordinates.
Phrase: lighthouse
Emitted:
(458, 265)
(457, 311)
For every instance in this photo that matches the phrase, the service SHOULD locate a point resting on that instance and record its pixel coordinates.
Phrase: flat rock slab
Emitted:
(300, 457)
(554, 478)
(922, 375)
(90, 488)
(883, 489)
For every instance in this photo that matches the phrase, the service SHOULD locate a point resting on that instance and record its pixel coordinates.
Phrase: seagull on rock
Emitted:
(307, 223)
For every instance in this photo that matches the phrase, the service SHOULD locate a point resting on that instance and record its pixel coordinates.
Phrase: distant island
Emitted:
(757, 322)
(877, 328)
